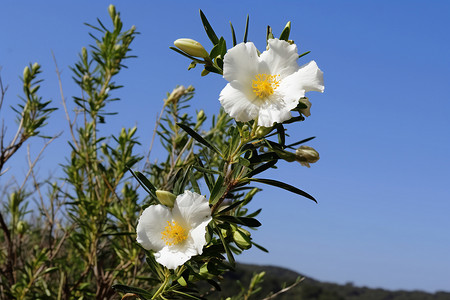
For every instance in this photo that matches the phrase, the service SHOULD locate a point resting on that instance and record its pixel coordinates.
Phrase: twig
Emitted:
(285, 289)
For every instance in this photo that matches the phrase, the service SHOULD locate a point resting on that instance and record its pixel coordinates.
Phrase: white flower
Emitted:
(177, 234)
(266, 87)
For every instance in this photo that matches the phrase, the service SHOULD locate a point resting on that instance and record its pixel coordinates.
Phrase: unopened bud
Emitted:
(176, 94)
(242, 238)
(306, 155)
(200, 114)
(21, 227)
(112, 10)
(305, 111)
(262, 131)
(166, 198)
(191, 47)
(26, 73)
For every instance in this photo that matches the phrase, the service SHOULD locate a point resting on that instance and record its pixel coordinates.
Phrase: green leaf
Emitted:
(281, 135)
(143, 294)
(262, 168)
(144, 182)
(269, 34)
(233, 34)
(209, 31)
(218, 190)
(197, 137)
(300, 142)
(250, 222)
(286, 31)
(301, 55)
(260, 247)
(285, 186)
(230, 207)
(220, 49)
(246, 30)
(208, 177)
(226, 247)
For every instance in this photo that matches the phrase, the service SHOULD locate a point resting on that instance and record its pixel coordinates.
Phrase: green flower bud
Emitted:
(200, 114)
(306, 155)
(262, 131)
(26, 74)
(166, 198)
(242, 239)
(191, 47)
(21, 227)
(176, 94)
(112, 10)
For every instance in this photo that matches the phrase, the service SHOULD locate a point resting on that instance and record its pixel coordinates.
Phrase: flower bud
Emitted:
(21, 227)
(305, 111)
(26, 73)
(166, 198)
(306, 155)
(262, 131)
(112, 10)
(176, 94)
(201, 115)
(242, 239)
(191, 47)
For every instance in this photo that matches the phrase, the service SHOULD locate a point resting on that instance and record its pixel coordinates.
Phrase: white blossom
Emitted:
(266, 87)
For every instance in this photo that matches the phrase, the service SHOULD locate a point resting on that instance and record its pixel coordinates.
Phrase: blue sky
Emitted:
(382, 125)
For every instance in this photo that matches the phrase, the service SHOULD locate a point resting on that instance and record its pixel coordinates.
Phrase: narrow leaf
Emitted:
(209, 31)
(285, 33)
(301, 142)
(301, 55)
(262, 168)
(250, 222)
(230, 207)
(233, 34)
(197, 137)
(285, 186)
(217, 191)
(246, 30)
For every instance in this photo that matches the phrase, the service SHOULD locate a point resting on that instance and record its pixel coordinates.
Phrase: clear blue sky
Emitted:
(382, 125)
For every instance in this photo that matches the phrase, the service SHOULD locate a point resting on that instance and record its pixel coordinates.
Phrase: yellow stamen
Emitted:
(265, 85)
(173, 233)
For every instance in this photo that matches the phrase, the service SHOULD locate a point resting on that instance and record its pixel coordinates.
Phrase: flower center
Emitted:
(173, 234)
(264, 85)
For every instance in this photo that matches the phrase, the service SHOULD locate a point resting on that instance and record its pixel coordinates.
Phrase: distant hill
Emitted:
(310, 289)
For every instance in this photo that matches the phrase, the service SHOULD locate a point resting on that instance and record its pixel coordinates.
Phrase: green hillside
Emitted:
(277, 278)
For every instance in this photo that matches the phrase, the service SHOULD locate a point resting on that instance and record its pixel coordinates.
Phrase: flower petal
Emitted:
(236, 102)
(151, 223)
(275, 109)
(308, 78)
(241, 63)
(192, 209)
(281, 58)
(172, 258)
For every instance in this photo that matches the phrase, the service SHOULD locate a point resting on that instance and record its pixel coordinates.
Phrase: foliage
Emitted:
(81, 244)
